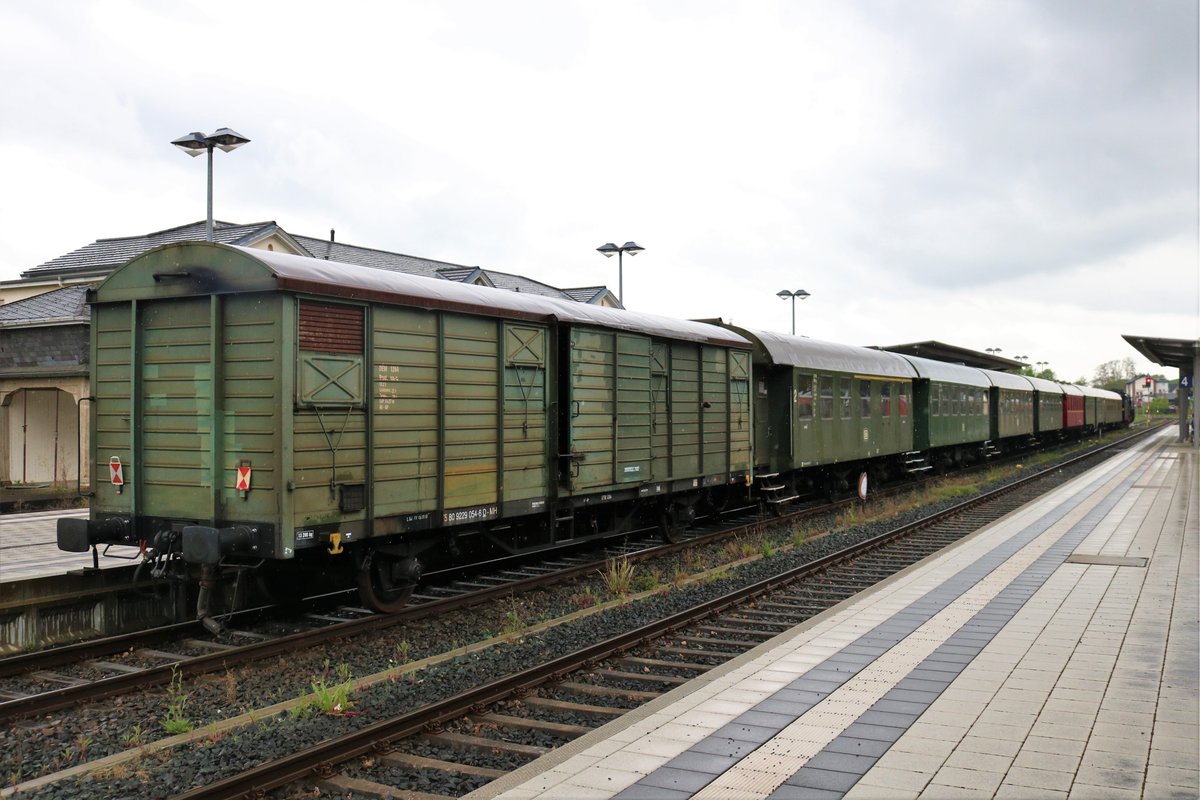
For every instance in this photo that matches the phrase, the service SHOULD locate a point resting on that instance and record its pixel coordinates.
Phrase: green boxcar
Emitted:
(279, 404)
(642, 408)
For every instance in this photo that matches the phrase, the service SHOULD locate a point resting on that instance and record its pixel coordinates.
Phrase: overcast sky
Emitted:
(1020, 175)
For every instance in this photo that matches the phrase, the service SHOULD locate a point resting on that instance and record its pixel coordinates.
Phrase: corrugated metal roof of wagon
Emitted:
(345, 279)
(799, 351)
(335, 279)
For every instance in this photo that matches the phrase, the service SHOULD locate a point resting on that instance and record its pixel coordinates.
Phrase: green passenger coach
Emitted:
(952, 410)
(824, 410)
(1012, 406)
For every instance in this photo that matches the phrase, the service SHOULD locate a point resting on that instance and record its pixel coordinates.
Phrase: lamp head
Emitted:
(193, 143)
(608, 249)
(227, 139)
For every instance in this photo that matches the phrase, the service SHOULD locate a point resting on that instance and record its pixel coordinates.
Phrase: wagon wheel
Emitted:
(668, 524)
(385, 582)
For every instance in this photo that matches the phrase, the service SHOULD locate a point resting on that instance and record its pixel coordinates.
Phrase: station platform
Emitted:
(1055, 653)
(29, 547)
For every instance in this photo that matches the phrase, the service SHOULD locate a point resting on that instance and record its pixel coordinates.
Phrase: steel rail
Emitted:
(321, 757)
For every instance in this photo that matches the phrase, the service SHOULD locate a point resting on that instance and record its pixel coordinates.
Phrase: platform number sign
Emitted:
(116, 473)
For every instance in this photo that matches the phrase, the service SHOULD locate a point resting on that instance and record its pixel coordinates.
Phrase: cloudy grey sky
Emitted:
(991, 173)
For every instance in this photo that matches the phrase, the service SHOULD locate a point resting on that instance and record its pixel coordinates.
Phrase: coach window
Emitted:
(935, 401)
(885, 400)
(826, 397)
(864, 398)
(804, 396)
(844, 392)
(903, 400)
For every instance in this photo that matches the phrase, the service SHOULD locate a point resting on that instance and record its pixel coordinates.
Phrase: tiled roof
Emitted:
(104, 255)
(412, 265)
(519, 283)
(458, 274)
(61, 305)
(367, 257)
(586, 294)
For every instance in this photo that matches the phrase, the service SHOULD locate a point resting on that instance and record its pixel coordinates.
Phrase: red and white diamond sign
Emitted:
(243, 479)
(116, 473)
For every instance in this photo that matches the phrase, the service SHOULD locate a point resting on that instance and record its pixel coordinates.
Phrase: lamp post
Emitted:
(196, 143)
(785, 294)
(992, 350)
(633, 248)
(1042, 366)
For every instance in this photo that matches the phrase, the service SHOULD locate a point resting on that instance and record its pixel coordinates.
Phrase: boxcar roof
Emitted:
(1070, 388)
(204, 268)
(1043, 385)
(1006, 380)
(946, 372)
(797, 351)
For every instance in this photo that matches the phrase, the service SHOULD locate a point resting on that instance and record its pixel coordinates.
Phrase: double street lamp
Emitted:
(633, 248)
(196, 143)
(785, 294)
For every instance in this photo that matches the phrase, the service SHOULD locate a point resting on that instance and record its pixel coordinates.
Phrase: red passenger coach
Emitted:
(1072, 407)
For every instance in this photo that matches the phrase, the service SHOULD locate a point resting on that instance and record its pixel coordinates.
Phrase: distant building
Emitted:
(45, 333)
(1144, 388)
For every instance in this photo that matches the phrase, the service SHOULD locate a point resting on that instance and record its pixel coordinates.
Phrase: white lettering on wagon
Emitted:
(464, 515)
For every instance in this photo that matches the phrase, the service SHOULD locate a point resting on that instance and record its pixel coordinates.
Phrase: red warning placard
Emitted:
(116, 472)
(243, 479)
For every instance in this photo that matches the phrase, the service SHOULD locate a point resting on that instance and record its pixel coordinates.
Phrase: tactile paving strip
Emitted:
(775, 745)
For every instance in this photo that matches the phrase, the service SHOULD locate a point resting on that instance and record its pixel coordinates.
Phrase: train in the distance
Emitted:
(257, 413)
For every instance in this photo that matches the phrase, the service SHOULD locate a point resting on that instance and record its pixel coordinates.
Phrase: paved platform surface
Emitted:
(1052, 654)
(29, 549)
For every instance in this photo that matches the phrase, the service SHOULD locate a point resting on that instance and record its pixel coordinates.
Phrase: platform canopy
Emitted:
(1184, 355)
(953, 354)
(1178, 353)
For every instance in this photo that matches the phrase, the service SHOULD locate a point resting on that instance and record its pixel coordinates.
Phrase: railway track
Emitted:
(707, 645)
(190, 657)
(480, 732)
